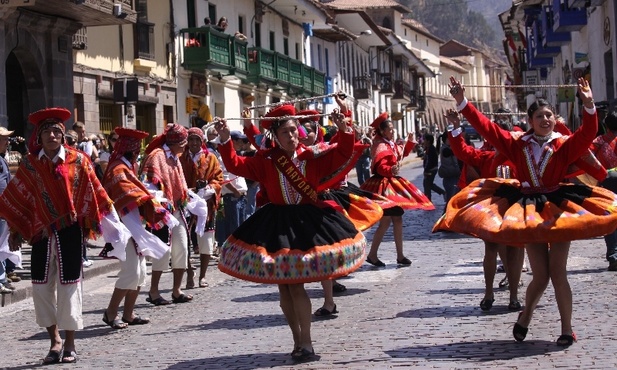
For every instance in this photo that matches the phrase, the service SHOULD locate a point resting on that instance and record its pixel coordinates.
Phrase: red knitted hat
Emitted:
(311, 115)
(44, 118)
(379, 120)
(280, 111)
(196, 131)
(175, 134)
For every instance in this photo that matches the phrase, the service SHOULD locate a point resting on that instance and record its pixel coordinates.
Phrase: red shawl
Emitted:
(43, 196)
(206, 169)
(167, 174)
(129, 193)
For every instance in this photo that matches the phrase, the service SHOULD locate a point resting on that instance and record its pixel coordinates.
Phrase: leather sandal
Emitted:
(515, 306)
(182, 298)
(322, 312)
(160, 301)
(137, 321)
(69, 357)
(303, 354)
(114, 324)
(53, 357)
(338, 287)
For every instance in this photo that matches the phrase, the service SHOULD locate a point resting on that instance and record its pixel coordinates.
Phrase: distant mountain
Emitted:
(472, 22)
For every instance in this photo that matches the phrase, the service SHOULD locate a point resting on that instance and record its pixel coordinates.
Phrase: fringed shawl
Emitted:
(168, 175)
(44, 196)
(129, 193)
(208, 169)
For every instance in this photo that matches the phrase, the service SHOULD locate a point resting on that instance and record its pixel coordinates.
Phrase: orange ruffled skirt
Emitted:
(496, 210)
(400, 191)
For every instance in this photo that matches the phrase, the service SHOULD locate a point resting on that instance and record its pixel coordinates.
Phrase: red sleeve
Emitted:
(250, 133)
(495, 135)
(578, 143)
(409, 145)
(249, 167)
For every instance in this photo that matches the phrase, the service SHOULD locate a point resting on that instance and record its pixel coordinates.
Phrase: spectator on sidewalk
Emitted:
(234, 202)
(6, 285)
(430, 162)
(56, 186)
(241, 141)
(363, 165)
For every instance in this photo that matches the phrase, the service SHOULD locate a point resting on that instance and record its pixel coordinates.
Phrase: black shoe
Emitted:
(376, 263)
(404, 261)
(515, 306)
(519, 331)
(566, 340)
(612, 266)
(486, 304)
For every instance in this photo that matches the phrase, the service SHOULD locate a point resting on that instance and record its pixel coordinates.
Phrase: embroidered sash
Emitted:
(297, 180)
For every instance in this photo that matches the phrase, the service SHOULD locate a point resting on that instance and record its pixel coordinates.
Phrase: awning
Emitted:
(436, 108)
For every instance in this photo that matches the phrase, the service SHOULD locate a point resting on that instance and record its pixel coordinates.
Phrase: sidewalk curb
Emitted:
(24, 287)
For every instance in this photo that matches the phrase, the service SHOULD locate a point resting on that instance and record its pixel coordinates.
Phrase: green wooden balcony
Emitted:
(282, 70)
(262, 66)
(206, 49)
(308, 76)
(296, 75)
(270, 68)
(319, 83)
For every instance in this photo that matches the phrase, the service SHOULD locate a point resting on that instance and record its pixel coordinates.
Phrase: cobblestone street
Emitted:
(423, 316)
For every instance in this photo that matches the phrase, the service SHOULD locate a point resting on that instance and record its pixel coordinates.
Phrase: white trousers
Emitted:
(206, 242)
(64, 309)
(179, 249)
(132, 270)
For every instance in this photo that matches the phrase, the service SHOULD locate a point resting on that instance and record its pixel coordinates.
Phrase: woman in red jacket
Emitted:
(536, 209)
(386, 158)
(487, 164)
(297, 237)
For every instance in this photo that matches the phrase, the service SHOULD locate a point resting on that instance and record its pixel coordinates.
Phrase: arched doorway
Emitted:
(16, 97)
(24, 90)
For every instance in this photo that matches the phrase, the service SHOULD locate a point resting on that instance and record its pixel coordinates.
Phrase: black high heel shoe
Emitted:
(519, 331)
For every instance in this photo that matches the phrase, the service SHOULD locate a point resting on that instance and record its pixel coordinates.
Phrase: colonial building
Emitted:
(124, 75)
(552, 43)
(36, 54)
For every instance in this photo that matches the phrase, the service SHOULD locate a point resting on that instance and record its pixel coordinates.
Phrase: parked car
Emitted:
(471, 132)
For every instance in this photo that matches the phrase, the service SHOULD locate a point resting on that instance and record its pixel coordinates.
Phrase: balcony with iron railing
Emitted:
(208, 49)
(385, 83)
(402, 92)
(362, 87)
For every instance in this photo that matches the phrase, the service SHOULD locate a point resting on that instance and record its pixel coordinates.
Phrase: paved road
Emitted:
(423, 316)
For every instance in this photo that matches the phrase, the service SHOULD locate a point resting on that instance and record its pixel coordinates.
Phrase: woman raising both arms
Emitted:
(535, 209)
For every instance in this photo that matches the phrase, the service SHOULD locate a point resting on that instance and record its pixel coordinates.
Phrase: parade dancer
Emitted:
(55, 202)
(133, 202)
(486, 164)
(204, 175)
(386, 157)
(161, 171)
(283, 241)
(536, 209)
